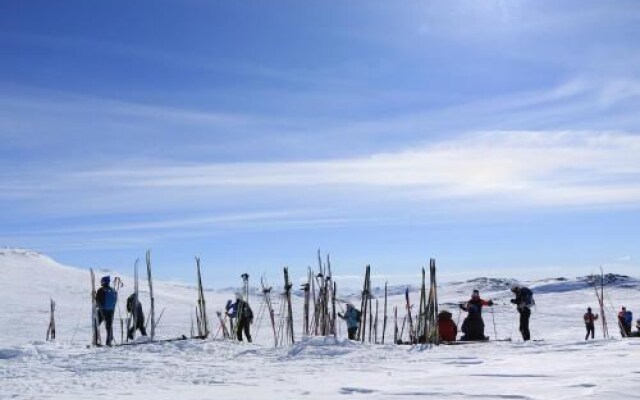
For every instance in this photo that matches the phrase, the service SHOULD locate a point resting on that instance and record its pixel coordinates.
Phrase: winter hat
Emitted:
(105, 280)
(588, 309)
(476, 293)
(238, 296)
(515, 287)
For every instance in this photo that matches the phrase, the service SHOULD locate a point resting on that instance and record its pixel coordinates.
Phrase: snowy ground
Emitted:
(559, 366)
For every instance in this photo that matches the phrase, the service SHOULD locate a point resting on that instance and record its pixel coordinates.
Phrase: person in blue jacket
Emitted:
(106, 299)
(352, 317)
(625, 319)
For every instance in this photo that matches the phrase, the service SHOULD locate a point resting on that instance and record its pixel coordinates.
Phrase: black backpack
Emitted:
(247, 312)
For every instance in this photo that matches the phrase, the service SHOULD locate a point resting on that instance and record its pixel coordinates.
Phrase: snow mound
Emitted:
(6, 354)
(320, 347)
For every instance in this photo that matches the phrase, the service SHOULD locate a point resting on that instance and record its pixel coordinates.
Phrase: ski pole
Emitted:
(495, 332)
(160, 317)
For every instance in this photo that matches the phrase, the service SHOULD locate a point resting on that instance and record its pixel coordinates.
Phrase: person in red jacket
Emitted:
(589, 319)
(473, 325)
(447, 328)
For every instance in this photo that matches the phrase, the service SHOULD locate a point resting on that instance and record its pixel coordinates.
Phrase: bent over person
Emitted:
(135, 309)
(524, 302)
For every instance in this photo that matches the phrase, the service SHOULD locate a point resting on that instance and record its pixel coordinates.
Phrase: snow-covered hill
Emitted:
(561, 365)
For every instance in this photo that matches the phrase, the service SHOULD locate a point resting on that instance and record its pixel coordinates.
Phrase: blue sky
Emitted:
(500, 137)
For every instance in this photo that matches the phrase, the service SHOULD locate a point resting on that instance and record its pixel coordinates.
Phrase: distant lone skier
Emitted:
(135, 309)
(473, 325)
(524, 302)
(589, 324)
(625, 319)
(352, 318)
(243, 314)
(106, 299)
(447, 329)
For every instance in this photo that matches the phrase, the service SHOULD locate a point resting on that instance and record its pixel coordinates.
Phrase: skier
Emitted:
(589, 319)
(243, 314)
(524, 302)
(473, 325)
(625, 319)
(447, 329)
(106, 299)
(637, 332)
(352, 317)
(137, 315)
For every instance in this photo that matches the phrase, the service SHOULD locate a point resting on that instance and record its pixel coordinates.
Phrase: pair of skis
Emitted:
(364, 304)
(266, 292)
(600, 296)
(51, 330)
(201, 307)
(427, 329)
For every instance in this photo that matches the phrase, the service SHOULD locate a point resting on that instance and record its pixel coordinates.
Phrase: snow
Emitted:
(559, 365)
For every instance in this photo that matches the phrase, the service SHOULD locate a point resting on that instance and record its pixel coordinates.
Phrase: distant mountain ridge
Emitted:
(483, 284)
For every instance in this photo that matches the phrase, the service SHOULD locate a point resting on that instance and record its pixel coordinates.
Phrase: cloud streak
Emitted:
(515, 169)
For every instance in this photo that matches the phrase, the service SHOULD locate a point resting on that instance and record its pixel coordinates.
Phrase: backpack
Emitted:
(528, 297)
(248, 313)
(110, 298)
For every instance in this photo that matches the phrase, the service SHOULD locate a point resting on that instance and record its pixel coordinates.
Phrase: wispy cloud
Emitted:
(505, 168)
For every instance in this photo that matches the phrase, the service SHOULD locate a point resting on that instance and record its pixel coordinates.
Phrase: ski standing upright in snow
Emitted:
(201, 307)
(95, 340)
(151, 320)
(51, 330)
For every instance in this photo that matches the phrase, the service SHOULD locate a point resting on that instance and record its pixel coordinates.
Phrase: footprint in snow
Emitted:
(584, 385)
(352, 390)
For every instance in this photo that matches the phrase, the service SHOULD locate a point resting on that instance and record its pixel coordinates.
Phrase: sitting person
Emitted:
(447, 329)
(473, 325)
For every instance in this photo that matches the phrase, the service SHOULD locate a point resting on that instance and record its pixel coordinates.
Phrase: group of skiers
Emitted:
(106, 300)
(625, 321)
(473, 325)
(240, 312)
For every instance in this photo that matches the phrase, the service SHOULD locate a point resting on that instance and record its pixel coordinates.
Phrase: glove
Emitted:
(513, 301)
(490, 303)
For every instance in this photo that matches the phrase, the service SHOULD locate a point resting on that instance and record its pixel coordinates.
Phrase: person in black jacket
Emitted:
(524, 302)
(473, 325)
(134, 307)
(106, 299)
(243, 315)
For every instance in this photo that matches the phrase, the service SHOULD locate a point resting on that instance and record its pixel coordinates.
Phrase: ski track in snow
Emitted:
(559, 366)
